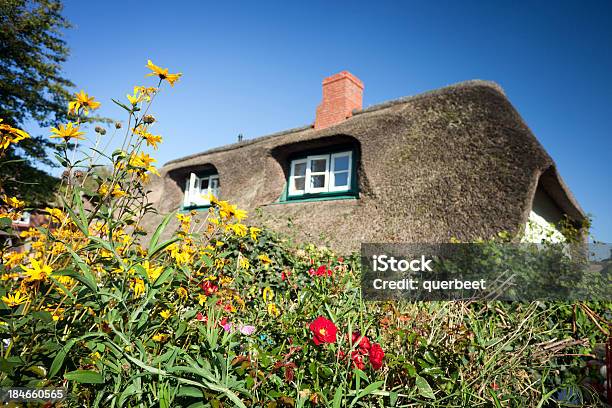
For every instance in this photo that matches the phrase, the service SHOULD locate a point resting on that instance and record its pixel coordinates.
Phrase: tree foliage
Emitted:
(32, 90)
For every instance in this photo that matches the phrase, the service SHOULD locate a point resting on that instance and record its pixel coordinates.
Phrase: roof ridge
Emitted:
(372, 108)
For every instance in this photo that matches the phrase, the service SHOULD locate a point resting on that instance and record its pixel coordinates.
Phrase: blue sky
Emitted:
(256, 67)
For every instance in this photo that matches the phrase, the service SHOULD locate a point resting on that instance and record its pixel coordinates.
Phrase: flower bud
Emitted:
(98, 129)
(148, 119)
(117, 125)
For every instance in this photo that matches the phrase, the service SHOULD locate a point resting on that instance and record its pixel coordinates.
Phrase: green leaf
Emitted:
(337, 398)
(85, 376)
(158, 231)
(87, 278)
(188, 391)
(58, 361)
(424, 388)
(367, 391)
(122, 105)
(127, 392)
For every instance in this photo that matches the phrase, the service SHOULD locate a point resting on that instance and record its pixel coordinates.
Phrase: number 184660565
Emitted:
(31, 394)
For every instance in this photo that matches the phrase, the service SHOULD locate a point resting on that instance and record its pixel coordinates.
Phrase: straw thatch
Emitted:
(455, 162)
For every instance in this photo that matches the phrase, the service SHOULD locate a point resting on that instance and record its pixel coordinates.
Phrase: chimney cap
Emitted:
(342, 75)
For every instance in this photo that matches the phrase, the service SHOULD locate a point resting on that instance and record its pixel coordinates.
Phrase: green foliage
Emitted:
(31, 88)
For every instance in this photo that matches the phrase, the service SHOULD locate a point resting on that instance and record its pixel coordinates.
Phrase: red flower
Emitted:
(357, 358)
(323, 330)
(201, 318)
(285, 274)
(321, 271)
(209, 288)
(361, 341)
(376, 356)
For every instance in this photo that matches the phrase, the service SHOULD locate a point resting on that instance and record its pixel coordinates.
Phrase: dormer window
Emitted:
(321, 175)
(198, 188)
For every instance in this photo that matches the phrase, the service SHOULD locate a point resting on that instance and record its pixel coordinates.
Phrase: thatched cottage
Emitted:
(454, 162)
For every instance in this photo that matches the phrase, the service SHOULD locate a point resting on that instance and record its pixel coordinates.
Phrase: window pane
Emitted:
(341, 163)
(299, 169)
(204, 184)
(317, 181)
(341, 179)
(318, 165)
(299, 183)
(214, 182)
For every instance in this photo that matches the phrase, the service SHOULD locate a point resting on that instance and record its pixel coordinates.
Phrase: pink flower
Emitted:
(247, 330)
(227, 326)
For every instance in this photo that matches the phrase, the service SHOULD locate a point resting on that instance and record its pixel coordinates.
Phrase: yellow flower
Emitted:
(67, 132)
(162, 73)
(185, 221)
(244, 263)
(39, 271)
(117, 191)
(9, 134)
(137, 285)
(268, 294)
(165, 314)
(254, 231)
(239, 229)
(57, 314)
(103, 189)
(201, 299)
(226, 210)
(143, 161)
(181, 292)
(152, 273)
(13, 201)
(273, 310)
(264, 259)
(240, 214)
(152, 140)
(226, 280)
(15, 300)
(146, 92)
(82, 101)
(65, 280)
(159, 337)
(137, 97)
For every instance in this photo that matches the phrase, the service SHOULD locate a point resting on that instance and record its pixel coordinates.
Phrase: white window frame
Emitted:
(194, 196)
(24, 220)
(329, 173)
(310, 173)
(332, 178)
(292, 190)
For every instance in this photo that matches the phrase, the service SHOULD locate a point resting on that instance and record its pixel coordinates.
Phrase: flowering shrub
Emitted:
(226, 314)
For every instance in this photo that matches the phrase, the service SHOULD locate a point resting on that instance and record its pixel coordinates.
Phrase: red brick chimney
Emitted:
(342, 93)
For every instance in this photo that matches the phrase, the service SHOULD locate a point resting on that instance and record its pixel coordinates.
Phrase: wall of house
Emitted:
(543, 219)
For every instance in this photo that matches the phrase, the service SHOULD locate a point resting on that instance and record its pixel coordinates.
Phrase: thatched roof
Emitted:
(455, 162)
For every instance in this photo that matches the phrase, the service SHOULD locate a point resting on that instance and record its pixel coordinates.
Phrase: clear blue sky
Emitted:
(256, 67)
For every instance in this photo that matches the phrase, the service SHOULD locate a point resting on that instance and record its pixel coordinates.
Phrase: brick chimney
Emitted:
(342, 93)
